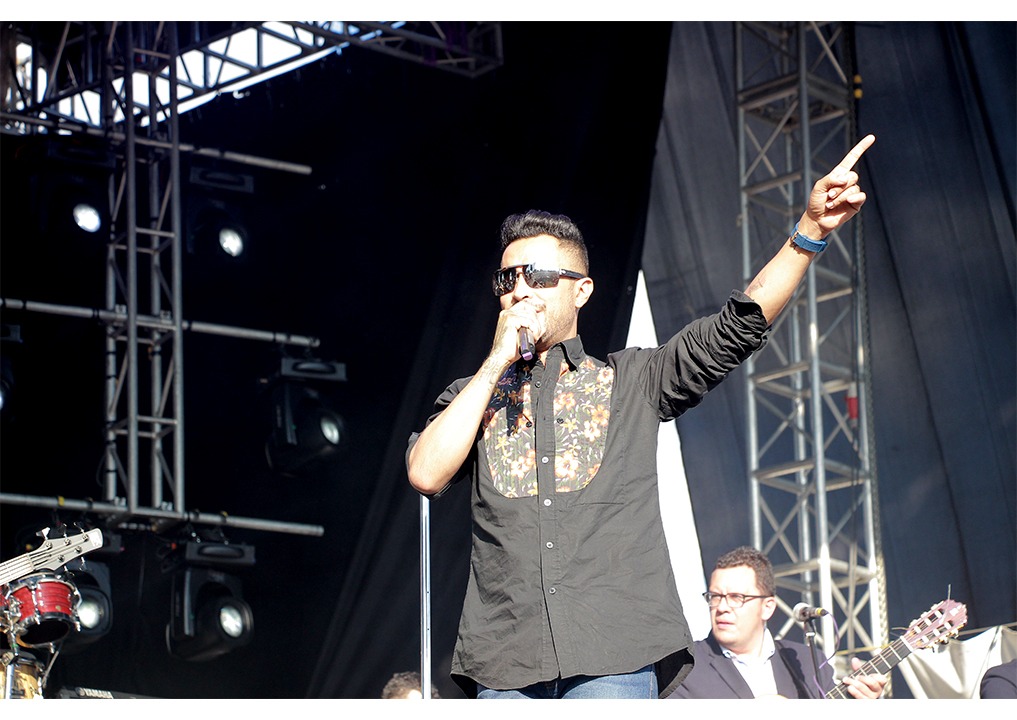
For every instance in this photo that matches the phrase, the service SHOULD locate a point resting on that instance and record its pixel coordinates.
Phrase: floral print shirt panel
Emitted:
(582, 402)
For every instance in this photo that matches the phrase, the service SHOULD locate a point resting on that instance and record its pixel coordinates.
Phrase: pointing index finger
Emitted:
(855, 154)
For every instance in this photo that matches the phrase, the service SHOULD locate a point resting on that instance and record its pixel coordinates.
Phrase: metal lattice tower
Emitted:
(123, 85)
(812, 465)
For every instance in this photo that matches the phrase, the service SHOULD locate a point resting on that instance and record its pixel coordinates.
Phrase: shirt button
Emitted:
(552, 591)
(560, 421)
(544, 459)
(547, 502)
(537, 383)
(550, 545)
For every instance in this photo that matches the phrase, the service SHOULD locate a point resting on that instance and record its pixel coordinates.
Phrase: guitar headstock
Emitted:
(57, 551)
(940, 623)
(52, 554)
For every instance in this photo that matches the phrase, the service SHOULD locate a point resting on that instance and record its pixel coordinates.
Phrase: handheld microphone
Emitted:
(803, 612)
(525, 344)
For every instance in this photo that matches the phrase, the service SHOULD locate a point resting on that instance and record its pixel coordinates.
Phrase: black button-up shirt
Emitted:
(570, 573)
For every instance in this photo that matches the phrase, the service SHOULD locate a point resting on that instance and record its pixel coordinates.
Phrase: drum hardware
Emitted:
(28, 678)
(38, 609)
(22, 676)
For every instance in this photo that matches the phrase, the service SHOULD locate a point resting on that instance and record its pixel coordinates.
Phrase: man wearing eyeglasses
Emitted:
(741, 659)
(571, 593)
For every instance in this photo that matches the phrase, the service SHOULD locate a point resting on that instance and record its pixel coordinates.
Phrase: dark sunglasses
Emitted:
(505, 278)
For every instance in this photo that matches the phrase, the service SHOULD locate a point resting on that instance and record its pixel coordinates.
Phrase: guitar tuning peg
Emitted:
(44, 534)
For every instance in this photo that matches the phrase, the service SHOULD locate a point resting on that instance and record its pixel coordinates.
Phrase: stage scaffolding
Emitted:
(814, 499)
(123, 86)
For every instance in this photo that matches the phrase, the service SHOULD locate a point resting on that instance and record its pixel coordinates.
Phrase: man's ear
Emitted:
(584, 288)
(769, 607)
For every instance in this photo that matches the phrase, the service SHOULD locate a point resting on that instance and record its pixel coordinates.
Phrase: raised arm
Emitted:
(835, 199)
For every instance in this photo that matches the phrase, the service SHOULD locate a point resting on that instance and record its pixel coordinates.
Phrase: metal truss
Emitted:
(123, 86)
(812, 463)
(64, 77)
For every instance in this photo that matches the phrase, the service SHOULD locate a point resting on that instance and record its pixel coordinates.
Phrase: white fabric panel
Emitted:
(675, 505)
(954, 670)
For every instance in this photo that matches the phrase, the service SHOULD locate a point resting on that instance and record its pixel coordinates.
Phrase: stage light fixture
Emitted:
(214, 212)
(75, 188)
(217, 231)
(10, 342)
(79, 207)
(306, 430)
(87, 217)
(95, 609)
(231, 240)
(6, 381)
(209, 616)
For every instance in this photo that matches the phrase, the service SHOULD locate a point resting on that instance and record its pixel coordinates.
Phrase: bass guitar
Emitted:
(53, 553)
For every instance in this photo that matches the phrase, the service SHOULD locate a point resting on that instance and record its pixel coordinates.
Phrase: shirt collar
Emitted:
(574, 352)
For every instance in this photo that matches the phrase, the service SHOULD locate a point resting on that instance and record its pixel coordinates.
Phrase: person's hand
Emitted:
(836, 197)
(864, 687)
(526, 313)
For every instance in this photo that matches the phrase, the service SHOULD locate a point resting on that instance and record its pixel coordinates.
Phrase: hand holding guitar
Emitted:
(863, 687)
(938, 625)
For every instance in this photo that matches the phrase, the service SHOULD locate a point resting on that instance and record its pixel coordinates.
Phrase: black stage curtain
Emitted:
(567, 125)
(385, 253)
(939, 238)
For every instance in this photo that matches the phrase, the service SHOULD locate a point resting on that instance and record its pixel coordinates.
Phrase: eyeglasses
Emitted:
(734, 600)
(505, 278)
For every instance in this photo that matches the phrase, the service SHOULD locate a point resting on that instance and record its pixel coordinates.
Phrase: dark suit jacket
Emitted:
(714, 676)
(999, 682)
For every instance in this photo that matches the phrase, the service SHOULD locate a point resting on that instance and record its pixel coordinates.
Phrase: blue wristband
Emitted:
(816, 246)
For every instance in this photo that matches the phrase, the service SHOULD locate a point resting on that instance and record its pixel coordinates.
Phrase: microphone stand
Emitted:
(425, 598)
(810, 640)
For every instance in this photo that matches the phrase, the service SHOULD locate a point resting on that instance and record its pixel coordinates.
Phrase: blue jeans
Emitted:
(641, 684)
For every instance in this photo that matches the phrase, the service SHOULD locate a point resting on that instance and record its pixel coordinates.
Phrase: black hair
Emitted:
(538, 222)
(752, 558)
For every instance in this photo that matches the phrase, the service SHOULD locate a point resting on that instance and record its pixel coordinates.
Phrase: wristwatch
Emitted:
(816, 246)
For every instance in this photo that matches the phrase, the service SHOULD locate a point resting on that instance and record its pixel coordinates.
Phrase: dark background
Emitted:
(389, 243)
(384, 253)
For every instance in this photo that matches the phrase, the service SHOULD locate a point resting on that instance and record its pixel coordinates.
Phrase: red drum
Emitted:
(39, 609)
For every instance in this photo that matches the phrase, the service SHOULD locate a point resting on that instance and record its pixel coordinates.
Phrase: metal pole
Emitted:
(425, 598)
(131, 261)
(222, 519)
(117, 317)
(815, 377)
(176, 291)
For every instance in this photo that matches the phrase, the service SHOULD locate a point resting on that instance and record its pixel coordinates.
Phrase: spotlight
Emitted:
(10, 341)
(231, 240)
(209, 617)
(214, 211)
(77, 208)
(95, 610)
(77, 194)
(87, 217)
(6, 381)
(217, 231)
(306, 430)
